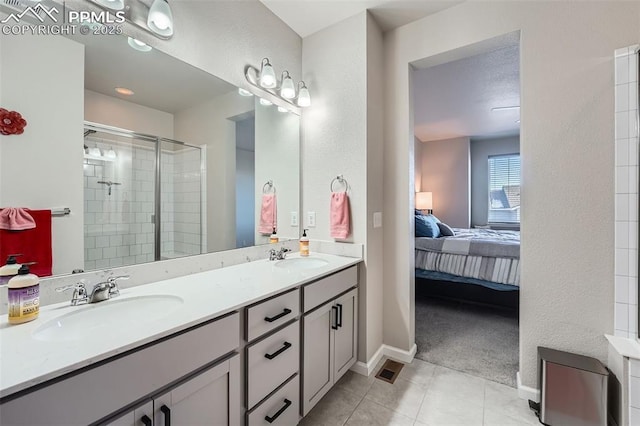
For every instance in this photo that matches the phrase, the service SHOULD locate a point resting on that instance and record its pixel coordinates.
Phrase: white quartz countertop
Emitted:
(26, 361)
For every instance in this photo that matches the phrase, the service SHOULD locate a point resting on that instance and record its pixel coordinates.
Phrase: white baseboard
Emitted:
(526, 392)
(366, 369)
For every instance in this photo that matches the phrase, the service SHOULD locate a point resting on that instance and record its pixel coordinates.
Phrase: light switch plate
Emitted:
(294, 218)
(377, 219)
(311, 219)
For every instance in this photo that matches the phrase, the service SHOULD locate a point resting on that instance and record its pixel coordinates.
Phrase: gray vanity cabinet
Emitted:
(135, 417)
(330, 334)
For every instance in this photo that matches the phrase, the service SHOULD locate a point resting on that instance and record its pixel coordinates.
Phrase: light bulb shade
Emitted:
(287, 89)
(110, 154)
(267, 75)
(111, 4)
(304, 99)
(138, 45)
(424, 200)
(95, 152)
(160, 18)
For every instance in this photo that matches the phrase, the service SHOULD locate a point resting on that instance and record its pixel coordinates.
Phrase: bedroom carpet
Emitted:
(478, 340)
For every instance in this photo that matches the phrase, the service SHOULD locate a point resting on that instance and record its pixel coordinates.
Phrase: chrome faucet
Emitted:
(278, 255)
(101, 291)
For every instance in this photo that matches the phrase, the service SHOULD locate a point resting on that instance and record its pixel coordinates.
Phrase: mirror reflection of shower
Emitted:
(142, 198)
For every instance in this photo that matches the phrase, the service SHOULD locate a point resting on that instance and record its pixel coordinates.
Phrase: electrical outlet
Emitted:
(311, 219)
(294, 218)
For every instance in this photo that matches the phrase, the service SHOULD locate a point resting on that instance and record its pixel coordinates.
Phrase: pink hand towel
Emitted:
(268, 214)
(340, 217)
(16, 219)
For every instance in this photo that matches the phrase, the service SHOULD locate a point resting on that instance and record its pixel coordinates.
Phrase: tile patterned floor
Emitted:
(423, 395)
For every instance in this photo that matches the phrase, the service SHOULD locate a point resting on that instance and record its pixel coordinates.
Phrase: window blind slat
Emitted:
(504, 189)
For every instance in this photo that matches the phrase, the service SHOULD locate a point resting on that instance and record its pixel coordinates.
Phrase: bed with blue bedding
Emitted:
(485, 257)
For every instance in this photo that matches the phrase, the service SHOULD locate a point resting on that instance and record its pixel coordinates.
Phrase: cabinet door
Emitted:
(210, 398)
(318, 355)
(346, 336)
(139, 417)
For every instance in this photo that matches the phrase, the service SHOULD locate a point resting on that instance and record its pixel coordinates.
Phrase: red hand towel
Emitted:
(268, 214)
(34, 244)
(340, 217)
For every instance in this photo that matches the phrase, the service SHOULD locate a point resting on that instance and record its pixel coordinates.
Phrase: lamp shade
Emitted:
(304, 99)
(267, 75)
(424, 200)
(287, 88)
(160, 19)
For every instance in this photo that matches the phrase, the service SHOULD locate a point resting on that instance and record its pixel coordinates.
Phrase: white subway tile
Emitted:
(622, 125)
(622, 207)
(633, 67)
(622, 180)
(634, 367)
(89, 242)
(633, 263)
(622, 97)
(633, 290)
(622, 69)
(633, 235)
(622, 152)
(633, 124)
(94, 254)
(621, 320)
(115, 262)
(622, 262)
(633, 179)
(109, 252)
(633, 152)
(633, 96)
(102, 263)
(621, 289)
(633, 207)
(122, 251)
(622, 235)
(115, 240)
(89, 265)
(633, 319)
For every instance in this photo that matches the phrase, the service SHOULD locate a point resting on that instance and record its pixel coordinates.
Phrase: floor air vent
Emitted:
(389, 371)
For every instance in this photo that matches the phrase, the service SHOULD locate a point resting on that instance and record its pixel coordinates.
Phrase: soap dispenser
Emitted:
(9, 270)
(274, 237)
(24, 296)
(304, 244)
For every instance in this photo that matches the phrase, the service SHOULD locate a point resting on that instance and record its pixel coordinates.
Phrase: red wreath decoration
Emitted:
(11, 122)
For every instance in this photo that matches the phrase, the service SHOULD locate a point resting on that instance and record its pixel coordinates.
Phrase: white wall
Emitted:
(111, 111)
(481, 149)
(42, 168)
(210, 124)
(277, 154)
(338, 136)
(567, 99)
(445, 173)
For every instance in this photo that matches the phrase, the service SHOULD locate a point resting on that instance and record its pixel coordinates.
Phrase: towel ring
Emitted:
(267, 186)
(341, 180)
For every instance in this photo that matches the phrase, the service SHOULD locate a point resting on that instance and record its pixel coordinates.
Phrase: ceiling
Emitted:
(306, 17)
(158, 80)
(455, 99)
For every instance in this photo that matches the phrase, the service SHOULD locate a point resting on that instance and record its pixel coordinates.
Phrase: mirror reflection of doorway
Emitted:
(245, 182)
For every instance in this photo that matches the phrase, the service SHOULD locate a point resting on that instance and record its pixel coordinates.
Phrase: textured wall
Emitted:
(567, 125)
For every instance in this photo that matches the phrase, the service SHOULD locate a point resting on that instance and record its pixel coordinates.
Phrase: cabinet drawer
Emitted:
(117, 383)
(281, 408)
(272, 361)
(326, 289)
(268, 315)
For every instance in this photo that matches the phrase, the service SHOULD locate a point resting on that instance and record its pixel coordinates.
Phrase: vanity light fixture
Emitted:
(160, 19)
(244, 92)
(282, 109)
(304, 99)
(95, 152)
(111, 153)
(124, 91)
(111, 4)
(138, 45)
(265, 102)
(285, 89)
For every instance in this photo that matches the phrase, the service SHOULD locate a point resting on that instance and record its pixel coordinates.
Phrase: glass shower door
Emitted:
(119, 199)
(181, 195)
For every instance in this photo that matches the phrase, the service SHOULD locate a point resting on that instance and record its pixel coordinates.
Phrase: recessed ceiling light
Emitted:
(244, 92)
(138, 45)
(265, 102)
(124, 91)
(506, 108)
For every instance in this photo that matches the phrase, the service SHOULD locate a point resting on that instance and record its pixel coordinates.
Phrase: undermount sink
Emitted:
(301, 263)
(114, 314)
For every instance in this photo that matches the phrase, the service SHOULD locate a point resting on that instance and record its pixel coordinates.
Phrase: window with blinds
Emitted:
(504, 189)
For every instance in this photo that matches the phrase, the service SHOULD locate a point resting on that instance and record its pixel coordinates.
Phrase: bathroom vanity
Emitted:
(257, 343)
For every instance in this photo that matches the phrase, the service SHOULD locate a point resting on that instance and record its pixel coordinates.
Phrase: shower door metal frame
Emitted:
(157, 140)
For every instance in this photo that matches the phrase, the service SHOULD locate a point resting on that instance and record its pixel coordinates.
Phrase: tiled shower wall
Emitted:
(119, 227)
(626, 192)
(626, 213)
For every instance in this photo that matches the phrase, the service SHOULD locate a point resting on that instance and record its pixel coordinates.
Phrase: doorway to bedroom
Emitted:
(466, 106)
